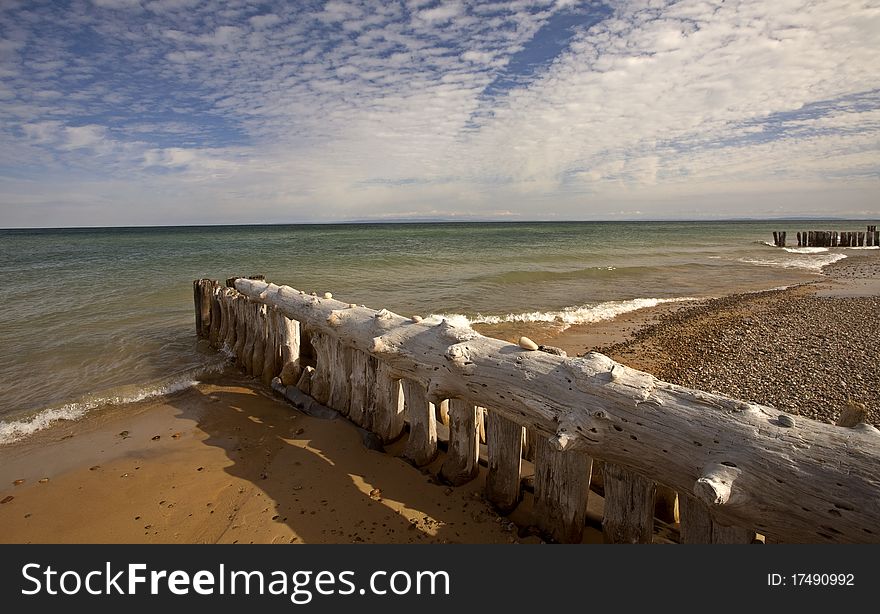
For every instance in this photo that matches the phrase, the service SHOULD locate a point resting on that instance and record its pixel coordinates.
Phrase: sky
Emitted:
(143, 112)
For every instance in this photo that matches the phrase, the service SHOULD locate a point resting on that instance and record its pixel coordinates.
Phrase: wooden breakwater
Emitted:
(737, 468)
(831, 238)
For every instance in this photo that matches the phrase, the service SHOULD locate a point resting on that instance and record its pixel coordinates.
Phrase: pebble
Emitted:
(785, 420)
(18, 482)
(416, 319)
(527, 344)
(802, 354)
(376, 494)
(156, 437)
(43, 480)
(328, 295)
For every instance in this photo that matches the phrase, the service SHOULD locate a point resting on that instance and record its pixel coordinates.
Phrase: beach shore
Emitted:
(226, 462)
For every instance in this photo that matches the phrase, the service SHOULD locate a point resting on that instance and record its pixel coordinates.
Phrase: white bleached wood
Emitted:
(325, 358)
(698, 527)
(270, 348)
(259, 350)
(340, 378)
(421, 445)
(562, 485)
(363, 382)
(629, 506)
(806, 483)
(504, 443)
(463, 457)
(389, 412)
(290, 349)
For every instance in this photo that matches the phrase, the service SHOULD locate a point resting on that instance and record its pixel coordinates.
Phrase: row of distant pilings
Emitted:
(832, 238)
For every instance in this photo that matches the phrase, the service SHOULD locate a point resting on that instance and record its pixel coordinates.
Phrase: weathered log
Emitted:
(807, 482)
(698, 526)
(389, 418)
(421, 445)
(629, 506)
(504, 443)
(562, 485)
(463, 456)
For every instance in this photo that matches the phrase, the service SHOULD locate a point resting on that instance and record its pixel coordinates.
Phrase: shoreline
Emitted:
(226, 462)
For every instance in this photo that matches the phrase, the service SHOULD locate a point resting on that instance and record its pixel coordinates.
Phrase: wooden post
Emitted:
(504, 442)
(799, 239)
(242, 304)
(697, 526)
(388, 420)
(782, 239)
(421, 445)
(861, 239)
(247, 351)
(214, 301)
(290, 349)
(259, 341)
(775, 238)
(223, 299)
(197, 302)
(270, 350)
(562, 485)
(340, 378)
(463, 457)
(363, 383)
(629, 506)
(325, 354)
(481, 423)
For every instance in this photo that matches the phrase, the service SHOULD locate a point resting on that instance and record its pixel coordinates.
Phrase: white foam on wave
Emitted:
(805, 250)
(807, 261)
(18, 429)
(864, 247)
(566, 317)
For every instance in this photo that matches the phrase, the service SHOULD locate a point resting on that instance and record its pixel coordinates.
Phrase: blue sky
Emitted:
(136, 112)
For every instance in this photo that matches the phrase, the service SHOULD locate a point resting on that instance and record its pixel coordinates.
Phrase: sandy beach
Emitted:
(227, 462)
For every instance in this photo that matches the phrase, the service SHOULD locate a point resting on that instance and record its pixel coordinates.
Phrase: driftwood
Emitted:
(800, 481)
(629, 506)
(504, 442)
(421, 445)
(562, 485)
(463, 457)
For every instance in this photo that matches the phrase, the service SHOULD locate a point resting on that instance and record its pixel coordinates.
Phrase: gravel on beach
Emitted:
(792, 349)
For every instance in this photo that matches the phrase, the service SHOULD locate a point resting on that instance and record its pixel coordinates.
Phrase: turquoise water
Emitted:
(97, 316)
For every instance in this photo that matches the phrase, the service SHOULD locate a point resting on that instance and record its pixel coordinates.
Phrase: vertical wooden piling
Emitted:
(290, 349)
(325, 359)
(504, 443)
(697, 526)
(340, 378)
(363, 383)
(629, 506)
(462, 459)
(861, 239)
(388, 420)
(271, 349)
(421, 445)
(214, 326)
(562, 485)
(259, 351)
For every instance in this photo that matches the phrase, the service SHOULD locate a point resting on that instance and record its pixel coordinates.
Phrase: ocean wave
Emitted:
(566, 317)
(805, 250)
(18, 429)
(864, 247)
(808, 261)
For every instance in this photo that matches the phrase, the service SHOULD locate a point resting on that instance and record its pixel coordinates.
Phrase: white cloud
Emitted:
(358, 109)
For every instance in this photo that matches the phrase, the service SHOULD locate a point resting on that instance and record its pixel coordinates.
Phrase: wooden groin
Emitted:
(831, 238)
(736, 468)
